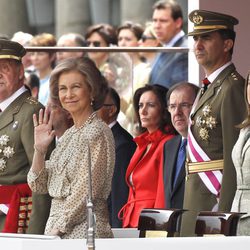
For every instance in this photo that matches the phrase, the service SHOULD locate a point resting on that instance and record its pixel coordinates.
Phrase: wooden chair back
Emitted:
(167, 220)
(217, 223)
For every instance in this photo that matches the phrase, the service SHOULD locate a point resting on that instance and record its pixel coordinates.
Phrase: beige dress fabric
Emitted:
(241, 160)
(65, 178)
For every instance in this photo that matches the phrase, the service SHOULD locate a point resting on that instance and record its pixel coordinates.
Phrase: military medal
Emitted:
(204, 134)
(205, 122)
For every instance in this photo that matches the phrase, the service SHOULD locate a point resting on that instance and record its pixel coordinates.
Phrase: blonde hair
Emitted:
(150, 29)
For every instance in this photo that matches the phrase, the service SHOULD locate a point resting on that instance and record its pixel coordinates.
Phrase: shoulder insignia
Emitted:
(234, 76)
(32, 100)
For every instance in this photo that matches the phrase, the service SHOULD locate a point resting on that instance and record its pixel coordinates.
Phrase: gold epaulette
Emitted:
(196, 167)
(32, 100)
(234, 76)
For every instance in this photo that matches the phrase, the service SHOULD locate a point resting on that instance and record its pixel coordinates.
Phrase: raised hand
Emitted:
(43, 131)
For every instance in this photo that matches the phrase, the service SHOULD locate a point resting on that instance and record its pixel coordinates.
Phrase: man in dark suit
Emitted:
(16, 145)
(169, 68)
(211, 178)
(124, 150)
(180, 99)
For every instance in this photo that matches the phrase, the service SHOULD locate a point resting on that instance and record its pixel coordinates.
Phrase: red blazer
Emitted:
(147, 190)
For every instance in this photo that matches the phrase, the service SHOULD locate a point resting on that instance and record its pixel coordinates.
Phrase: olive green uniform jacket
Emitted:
(17, 123)
(225, 103)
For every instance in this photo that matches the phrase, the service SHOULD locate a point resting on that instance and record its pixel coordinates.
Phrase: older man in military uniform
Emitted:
(16, 146)
(219, 107)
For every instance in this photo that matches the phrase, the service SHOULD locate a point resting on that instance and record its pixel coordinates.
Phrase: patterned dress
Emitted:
(65, 178)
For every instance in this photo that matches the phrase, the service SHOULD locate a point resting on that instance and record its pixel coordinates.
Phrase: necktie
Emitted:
(205, 82)
(180, 159)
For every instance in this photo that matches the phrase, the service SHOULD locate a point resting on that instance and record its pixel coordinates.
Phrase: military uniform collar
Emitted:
(214, 75)
(8, 101)
(214, 87)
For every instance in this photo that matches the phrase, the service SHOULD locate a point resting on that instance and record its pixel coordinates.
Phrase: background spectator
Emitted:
(33, 83)
(149, 39)
(24, 39)
(43, 62)
(129, 35)
(169, 68)
(124, 149)
(70, 40)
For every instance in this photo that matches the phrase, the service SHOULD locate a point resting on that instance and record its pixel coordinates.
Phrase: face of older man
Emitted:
(11, 78)
(180, 105)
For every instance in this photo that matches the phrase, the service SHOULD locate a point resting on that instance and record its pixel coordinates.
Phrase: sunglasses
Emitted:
(94, 43)
(144, 38)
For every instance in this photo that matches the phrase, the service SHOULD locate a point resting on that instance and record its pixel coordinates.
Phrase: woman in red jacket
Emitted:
(144, 173)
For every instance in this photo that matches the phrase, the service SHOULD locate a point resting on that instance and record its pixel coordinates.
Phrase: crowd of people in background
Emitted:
(150, 138)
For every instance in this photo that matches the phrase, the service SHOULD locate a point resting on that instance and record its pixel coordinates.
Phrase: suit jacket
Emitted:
(174, 194)
(241, 160)
(17, 123)
(147, 175)
(170, 68)
(224, 106)
(124, 150)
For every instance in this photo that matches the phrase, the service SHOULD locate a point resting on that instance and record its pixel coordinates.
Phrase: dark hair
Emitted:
(183, 85)
(176, 11)
(136, 28)
(228, 34)
(97, 83)
(115, 98)
(106, 31)
(33, 81)
(160, 91)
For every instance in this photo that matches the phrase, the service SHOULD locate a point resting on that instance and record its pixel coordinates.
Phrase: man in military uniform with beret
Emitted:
(219, 107)
(16, 143)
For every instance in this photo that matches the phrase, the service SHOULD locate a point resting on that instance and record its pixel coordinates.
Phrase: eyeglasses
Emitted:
(94, 43)
(144, 38)
(182, 106)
